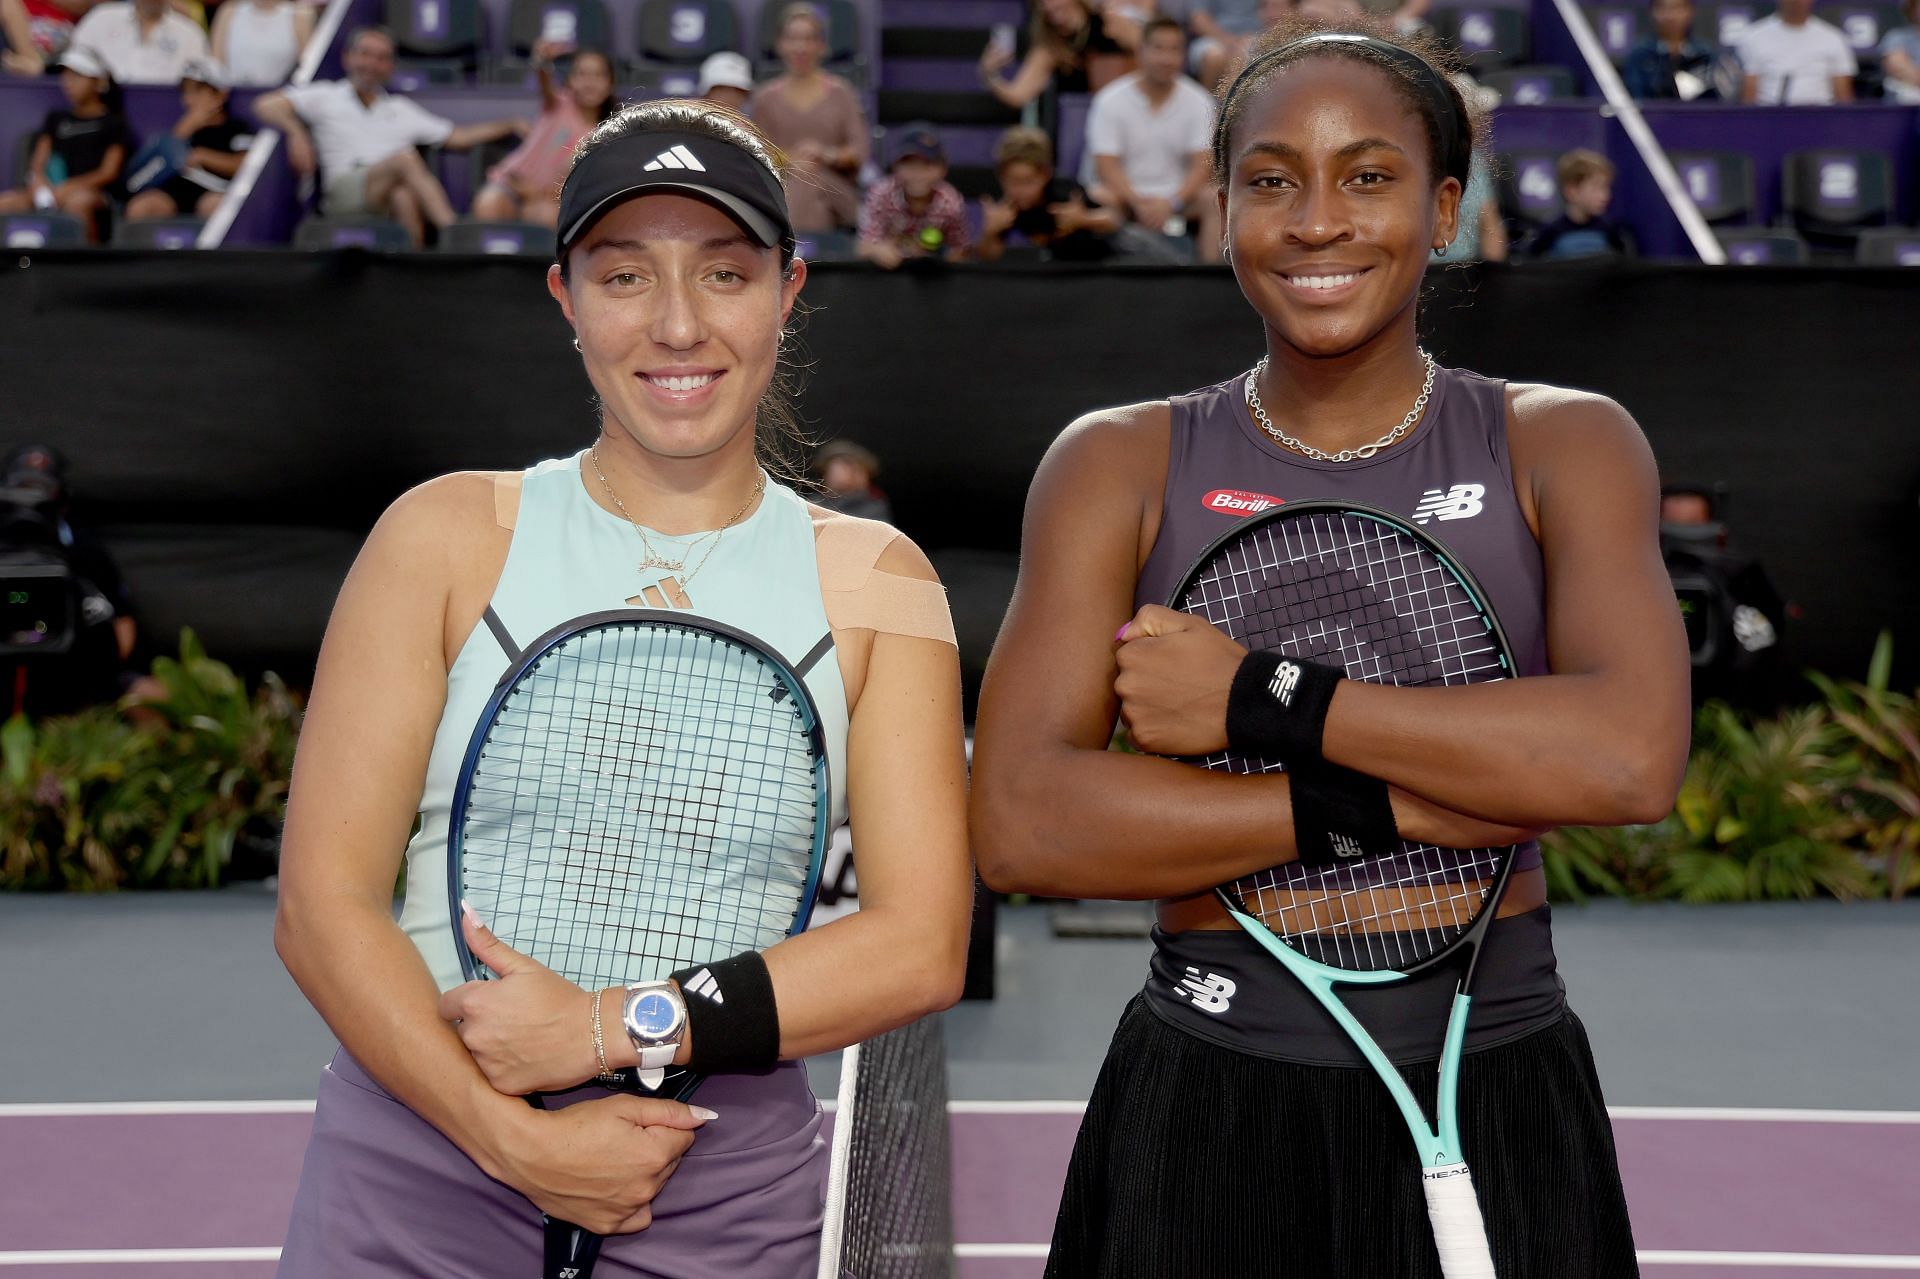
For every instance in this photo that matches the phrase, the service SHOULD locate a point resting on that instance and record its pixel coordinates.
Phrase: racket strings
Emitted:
(1341, 587)
(643, 801)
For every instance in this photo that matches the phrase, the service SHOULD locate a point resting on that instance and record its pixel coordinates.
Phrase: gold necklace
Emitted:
(653, 558)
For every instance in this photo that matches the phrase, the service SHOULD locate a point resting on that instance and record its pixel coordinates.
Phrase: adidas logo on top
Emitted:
(677, 158)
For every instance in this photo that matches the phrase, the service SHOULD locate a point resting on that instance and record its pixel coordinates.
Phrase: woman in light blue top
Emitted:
(678, 279)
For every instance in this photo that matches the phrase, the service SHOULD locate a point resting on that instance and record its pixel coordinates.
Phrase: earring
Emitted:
(1226, 253)
(576, 344)
(1442, 250)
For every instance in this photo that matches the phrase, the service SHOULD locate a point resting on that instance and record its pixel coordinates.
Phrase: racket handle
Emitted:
(1458, 1231)
(570, 1251)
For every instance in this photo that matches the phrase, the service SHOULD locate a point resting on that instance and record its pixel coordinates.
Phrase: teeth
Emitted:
(1322, 281)
(692, 383)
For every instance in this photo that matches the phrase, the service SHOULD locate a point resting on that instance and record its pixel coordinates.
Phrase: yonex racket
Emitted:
(645, 791)
(1343, 583)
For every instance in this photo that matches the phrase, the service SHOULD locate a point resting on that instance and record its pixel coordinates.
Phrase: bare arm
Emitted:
(103, 177)
(304, 19)
(1843, 88)
(1898, 66)
(1113, 176)
(222, 26)
(23, 56)
(37, 164)
(220, 163)
(1053, 810)
(1028, 83)
(1199, 174)
(1749, 88)
(466, 136)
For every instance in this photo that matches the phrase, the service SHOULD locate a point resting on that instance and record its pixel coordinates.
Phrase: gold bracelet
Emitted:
(600, 1044)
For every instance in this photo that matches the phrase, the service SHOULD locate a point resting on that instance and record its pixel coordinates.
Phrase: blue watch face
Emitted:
(652, 1014)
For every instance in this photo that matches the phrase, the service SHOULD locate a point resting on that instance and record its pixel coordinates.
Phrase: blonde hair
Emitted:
(1579, 164)
(1023, 145)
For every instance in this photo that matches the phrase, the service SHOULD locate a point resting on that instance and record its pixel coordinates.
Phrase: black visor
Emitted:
(697, 164)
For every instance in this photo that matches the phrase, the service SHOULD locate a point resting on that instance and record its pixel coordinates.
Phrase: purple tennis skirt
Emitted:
(383, 1193)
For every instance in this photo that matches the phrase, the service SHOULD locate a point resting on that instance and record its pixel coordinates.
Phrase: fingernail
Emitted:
(1120, 637)
(701, 1112)
(468, 911)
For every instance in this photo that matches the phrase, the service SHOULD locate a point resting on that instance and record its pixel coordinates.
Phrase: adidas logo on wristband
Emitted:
(703, 984)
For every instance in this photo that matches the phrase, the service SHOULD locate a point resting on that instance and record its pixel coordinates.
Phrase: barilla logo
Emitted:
(1238, 502)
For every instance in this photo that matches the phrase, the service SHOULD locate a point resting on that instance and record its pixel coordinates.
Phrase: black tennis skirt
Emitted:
(1198, 1162)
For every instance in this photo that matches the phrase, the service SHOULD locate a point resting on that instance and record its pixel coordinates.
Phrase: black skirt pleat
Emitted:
(1197, 1162)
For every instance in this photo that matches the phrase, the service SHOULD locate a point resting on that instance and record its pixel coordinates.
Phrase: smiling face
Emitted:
(368, 62)
(1331, 205)
(678, 313)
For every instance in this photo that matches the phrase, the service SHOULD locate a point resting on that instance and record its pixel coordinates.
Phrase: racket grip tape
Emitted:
(1459, 1233)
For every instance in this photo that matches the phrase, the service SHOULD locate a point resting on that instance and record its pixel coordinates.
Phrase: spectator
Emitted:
(1583, 229)
(816, 119)
(526, 185)
(80, 150)
(361, 139)
(914, 212)
(1794, 58)
(726, 78)
(36, 31)
(1043, 209)
(1077, 46)
(1482, 236)
(847, 473)
(259, 41)
(1670, 63)
(1900, 56)
(187, 171)
(1734, 613)
(1150, 134)
(1221, 30)
(142, 41)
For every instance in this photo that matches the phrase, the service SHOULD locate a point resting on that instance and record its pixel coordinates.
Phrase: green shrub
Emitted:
(157, 797)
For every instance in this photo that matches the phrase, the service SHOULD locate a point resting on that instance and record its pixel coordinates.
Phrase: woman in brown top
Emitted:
(815, 118)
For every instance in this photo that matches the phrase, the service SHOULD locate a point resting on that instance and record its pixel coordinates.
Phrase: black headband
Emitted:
(717, 170)
(1425, 76)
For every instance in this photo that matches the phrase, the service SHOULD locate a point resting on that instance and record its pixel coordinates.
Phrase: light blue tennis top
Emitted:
(569, 558)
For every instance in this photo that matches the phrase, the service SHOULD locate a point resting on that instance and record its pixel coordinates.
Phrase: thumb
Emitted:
(658, 1112)
(1153, 620)
(487, 948)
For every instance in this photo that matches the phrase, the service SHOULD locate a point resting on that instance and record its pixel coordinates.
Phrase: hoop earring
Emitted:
(1442, 250)
(576, 344)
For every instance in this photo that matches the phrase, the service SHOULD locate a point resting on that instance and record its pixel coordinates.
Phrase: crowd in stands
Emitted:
(1148, 72)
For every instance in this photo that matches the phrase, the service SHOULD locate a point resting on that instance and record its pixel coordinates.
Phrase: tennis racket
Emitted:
(645, 791)
(1343, 583)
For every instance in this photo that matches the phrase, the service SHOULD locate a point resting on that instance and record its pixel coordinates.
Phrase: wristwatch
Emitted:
(655, 1018)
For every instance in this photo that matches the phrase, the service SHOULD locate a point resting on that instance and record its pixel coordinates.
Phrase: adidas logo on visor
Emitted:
(678, 158)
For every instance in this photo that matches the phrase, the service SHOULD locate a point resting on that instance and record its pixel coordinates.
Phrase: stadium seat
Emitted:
(1720, 24)
(1487, 36)
(439, 39)
(42, 230)
(158, 233)
(1830, 194)
(1619, 26)
(845, 43)
(1758, 246)
(577, 22)
(1529, 188)
(514, 239)
(1529, 86)
(357, 232)
(1720, 182)
(1888, 246)
(684, 33)
(1862, 23)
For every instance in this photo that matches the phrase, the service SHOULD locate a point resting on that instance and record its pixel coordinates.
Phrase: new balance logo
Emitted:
(1286, 678)
(1345, 846)
(703, 984)
(1210, 994)
(677, 158)
(1457, 503)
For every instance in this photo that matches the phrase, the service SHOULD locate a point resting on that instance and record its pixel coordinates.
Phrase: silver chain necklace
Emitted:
(656, 560)
(1344, 455)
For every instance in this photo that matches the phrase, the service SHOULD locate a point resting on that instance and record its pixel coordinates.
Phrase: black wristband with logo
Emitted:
(1340, 815)
(731, 1016)
(1277, 707)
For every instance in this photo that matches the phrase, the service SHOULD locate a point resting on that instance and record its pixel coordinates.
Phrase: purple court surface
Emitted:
(132, 1191)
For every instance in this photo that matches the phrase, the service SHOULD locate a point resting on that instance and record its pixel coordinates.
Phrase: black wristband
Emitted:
(1277, 707)
(1340, 815)
(731, 1015)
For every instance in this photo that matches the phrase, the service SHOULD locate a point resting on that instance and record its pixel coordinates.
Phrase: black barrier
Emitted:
(237, 422)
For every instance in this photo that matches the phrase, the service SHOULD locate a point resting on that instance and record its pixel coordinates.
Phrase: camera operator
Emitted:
(1733, 613)
(66, 634)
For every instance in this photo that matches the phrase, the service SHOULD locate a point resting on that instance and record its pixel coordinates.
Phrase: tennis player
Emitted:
(676, 272)
(1232, 1131)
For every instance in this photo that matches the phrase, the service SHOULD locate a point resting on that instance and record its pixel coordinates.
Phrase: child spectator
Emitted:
(1796, 59)
(36, 31)
(1076, 46)
(259, 41)
(914, 212)
(525, 186)
(141, 41)
(81, 148)
(1583, 230)
(1150, 134)
(816, 119)
(188, 170)
(847, 473)
(1041, 208)
(726, 78)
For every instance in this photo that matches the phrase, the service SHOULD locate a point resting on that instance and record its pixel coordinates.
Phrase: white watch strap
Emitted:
(658, 1057)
